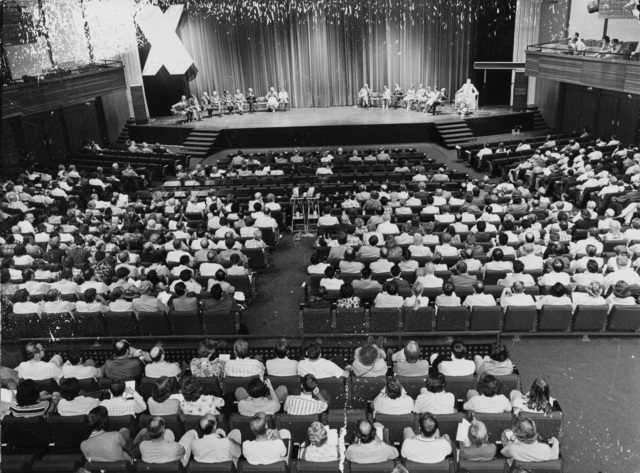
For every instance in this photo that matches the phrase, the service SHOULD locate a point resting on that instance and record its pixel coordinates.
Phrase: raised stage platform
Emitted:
(331, 126)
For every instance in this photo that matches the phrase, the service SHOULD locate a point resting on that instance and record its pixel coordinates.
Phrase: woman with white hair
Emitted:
(592, 296)
(614, 233)
(317, 449)
(477, 448)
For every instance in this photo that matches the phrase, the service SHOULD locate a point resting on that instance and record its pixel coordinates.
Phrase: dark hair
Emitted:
(69, 388)
(558, 290)
(458, 349)
(346, 291)
(393, 388)
(281, 348)
(428, 424)
(392, 288)
(117, 387)
(191, 389)
(499, 352)
(448, 288)
(488, 385)
(257, 388)
(313, 351)
(74, 356)
(28, 393)
(161, 390)
(365, 437)
(518, 266)
(98, 417)
(308, 383)
(90, 294)
(435, 383)
(538, 398)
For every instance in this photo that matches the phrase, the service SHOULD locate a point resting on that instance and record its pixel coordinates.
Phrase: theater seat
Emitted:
(121, 324)
(421, 320)
(552, 466)
(384, 320)
(384, 467)
(496, 423)
(224, 467)
(350, 320)
(337, 418)
(316, 320)
(154, 323)
(315, 467)
(459, 386)
(175, 466)
(624, 318)
(491, 466)
(185, 323)
(486, 318)
(242, 423)
(110, 467)
(412, 384)
(278, 467)
(444, 466)
(555, 318)
(590, 318)
(16, 463)
(452, 319)
(69, 432)
(26, 435)
(297, 425)
(363, 390)
(58, 464)
(395, 425)
(520, 319)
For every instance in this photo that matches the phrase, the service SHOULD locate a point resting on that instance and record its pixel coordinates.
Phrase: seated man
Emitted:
(268, 446)
(242, 365)
(281, 365)
(479, 298)
(75, 368)
(458, 365)
(125, 363)
(393, 399)
(319, 367)
(486, 399)
(260, 397)
(429, 446)
(214, 446)
(37, 369)
(124, 400)
(522, 443)
(367, 447)
(366, 283)
(103, 446)
(407, 362)
(161, 446)
(310, 401)
(158, 367)
(389, 298)
(515, 296)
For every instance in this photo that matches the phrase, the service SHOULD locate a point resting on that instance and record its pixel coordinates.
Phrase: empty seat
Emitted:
(221, 322)
(384, 320)
(90, 324)
(555, 318)
(459, 386)
(590, 318)
(491, 466)
(185, 323)
(624, 318)
(350, 320)
(297, 425)
(121, 324)
(336, 389)
(520, 318)
(363, 390)
(69, 432)
(486, 318)
(384, 467)
(316, 320)
(26, 435)
(421, 320)
(452, 319)
(396, 424)
(59, 325)
(58, 464)
(16, 463)
(154, 323)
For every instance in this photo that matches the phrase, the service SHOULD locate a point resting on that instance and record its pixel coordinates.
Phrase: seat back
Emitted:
(336, 419)
(291, 382)
(486, 318)
(363, 390)
(242, 423)
(384, 320)
(396, 424)
(220, 322)
(520, 319)
(16, 326)
(384, 467)
(459, 386)
(116, 423)
(26, 434)
(185, 323)
(496, 423)
(69, 432)
(211, 385)
(16, 463)
(90, 324)
(231, 383)
(421, 320)
(551, 466)
(316, 320)
(555, 318)
(508, 383)
(412, 384)
(257, 257)
(592, 318)
(278, 467)
(624, 318)
(121, 324)
(123, 466)
(337, 389)
(350, 320)
(547, 425)
(175, 466)
(444, 466)
(492, 466)
(492, 277)
(154, 323)
(296, 424)
(242, 283)
(315, 467)
(224, 467)
(452, 319)
(64, 463)
(447, 423)
(59, 324)
(172, 422)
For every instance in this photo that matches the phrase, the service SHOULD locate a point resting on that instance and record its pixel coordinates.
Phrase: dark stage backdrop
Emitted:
(323, 62)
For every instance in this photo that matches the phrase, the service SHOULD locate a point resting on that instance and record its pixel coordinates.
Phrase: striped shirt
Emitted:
(243, 368)
(304, 405)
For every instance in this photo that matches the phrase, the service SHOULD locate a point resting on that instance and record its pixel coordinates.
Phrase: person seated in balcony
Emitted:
(389, 298)
(557, 297)
(370, 360)
(31, 402)
(367, 447)
(486, 399)
(193, 402)
(428, 446)
(71, 402)
(477, 448)
(522, 443)
(103, 446)
(77, 367)
(457, 365)
(448, 296)
(393, 399)
(320, 367)
(259, 396)
(124, 400)
(161, 403)
(159, 367)
(496, 364)
(317, 448)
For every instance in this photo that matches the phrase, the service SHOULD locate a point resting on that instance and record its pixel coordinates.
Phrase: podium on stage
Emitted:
(305, 212)
(467, 103)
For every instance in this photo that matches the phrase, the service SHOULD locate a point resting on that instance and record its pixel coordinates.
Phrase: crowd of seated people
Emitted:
(178, 389)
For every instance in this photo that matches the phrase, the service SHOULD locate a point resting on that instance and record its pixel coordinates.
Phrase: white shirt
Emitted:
(243, 368)
(39, 370)
(456, 367)
(485, 300)
(425, 450)
(282, 367)
(320, 368)
(264, 453)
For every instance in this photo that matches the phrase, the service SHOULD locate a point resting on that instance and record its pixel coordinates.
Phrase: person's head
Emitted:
(121, 348)
(281, 348)
(368, 355)
(98, 417)
(117, 388)
(448, 288)
(208, 424)
(346, 291)
(257, 388)
(156, 354)
(191, 389)
(412, 352)
(206, 348)
(317, 434)
(557, 265)
(428, 425)
(435, 383)
(499, 352)
(69, 388)
(365, 273)
(392, 288)
(161, 390)
(524, 430)
(478, 435)
(241, 348)
(458, 349)
(28, 393)
(621, 289)
(478, 287)
(365, 431)
(558, 290)
(497, 254)
(393, 388)
(488, 385)
(314, 351)
(156, 428)
(594, 289)
(538, 398)
(258, 424)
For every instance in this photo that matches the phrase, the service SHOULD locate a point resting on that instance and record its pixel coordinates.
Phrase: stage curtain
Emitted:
(324, 61)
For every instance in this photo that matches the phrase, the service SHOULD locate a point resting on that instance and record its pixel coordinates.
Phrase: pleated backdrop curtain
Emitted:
(324, 61)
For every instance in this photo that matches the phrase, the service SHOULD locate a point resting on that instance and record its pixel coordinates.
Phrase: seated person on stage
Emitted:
(268, 446)
(409, 97)
(319, 367)
(216, 103)
(364, 96)
(272, 99)
(251, 99)
(227, 102)
(439, 98)
(386, 97)
(477, 448)
(367, 447)
(283, 99)
(522, 444)
(239, 100)
(427, 447)
(397, 95)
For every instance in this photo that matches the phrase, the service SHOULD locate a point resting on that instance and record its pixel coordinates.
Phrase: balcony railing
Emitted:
(625, 51)
(60, 72)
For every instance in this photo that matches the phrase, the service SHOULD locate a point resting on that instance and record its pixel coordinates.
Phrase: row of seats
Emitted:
(557, 319)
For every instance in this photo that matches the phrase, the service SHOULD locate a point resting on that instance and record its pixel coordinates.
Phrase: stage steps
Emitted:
(454, 133)
(539, 123)
(201, 143)
(124, 136)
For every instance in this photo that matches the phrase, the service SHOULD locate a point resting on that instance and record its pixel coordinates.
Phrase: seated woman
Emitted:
(364, 96)
(478, 447)
(386, 97)
(207, 365)
(216, 103)
(347, 299)
(557, 296)
(239, 101)
(416, 300)
(369, 360)
(72, 403)
(92, 302)
(496, 364)
(522, 443)
(272, 99)
(227, 102)
(317, 448)
(259, 396)
(193, 402)
(448, 296)
(621, 295)
(418, 249)
(393, 399)
(592, 296)
(536, 400)
(486, 399)
(160, 403)
(330, 280)
(614, 232)
(119, 304)
(409, 96)
(31, 402)
(103, 446)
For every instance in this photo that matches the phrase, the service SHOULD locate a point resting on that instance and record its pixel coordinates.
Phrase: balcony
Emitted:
(59, 88)
(555, 61)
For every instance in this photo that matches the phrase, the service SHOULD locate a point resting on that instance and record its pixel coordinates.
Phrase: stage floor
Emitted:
(330, 116)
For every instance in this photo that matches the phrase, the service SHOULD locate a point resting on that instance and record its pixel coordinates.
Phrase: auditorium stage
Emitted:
(330, 126)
